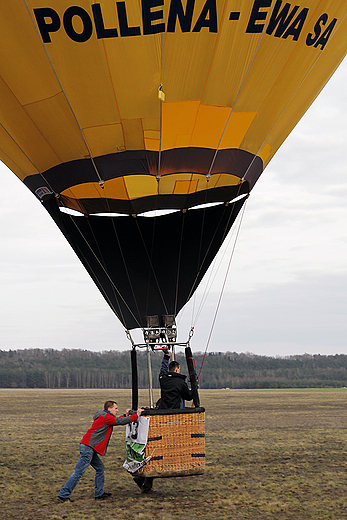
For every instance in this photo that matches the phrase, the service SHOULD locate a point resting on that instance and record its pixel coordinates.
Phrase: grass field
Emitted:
(274, 454)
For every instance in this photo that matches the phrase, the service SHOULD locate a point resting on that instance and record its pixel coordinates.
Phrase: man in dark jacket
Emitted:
(174, 389)
(95, 442)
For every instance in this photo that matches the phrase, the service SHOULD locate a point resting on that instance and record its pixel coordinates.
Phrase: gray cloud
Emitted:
(307, 315)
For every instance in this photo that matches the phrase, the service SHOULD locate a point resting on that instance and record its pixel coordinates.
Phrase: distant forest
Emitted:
(47, 368)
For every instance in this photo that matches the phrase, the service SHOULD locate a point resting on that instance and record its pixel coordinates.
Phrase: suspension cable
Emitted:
(200, 247)
(27, 157)
(161, 97)
(66, 98)
(210, 245)
(108, 276)
(237, 96)
(212, 277)
(222, 290)
(101, 181)
(126, 267)
(287, 104)
(179, 263)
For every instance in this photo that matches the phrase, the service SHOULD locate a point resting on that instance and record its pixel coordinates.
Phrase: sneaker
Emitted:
(64, 499)
(147, 486)
(104, 496)
(147, 491)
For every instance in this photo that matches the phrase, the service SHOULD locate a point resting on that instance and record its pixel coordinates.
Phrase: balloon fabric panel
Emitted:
(145, 266)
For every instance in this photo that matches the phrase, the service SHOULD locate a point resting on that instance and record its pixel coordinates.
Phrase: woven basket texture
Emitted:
(177, 445)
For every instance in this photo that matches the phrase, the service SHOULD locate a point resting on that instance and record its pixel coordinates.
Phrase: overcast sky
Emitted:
(286, 292)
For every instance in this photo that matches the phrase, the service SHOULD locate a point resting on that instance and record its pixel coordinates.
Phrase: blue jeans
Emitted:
(87, 456)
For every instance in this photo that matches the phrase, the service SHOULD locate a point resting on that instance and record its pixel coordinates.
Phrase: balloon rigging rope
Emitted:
(104, 268)
(237, 97)
(160, 106)
(210, 281)
(27, 157)
(192, 294)
(65, 95)
(209, 247)
(103, 264)
(109, 278)
(208, 285)
(113, 286)
(203, 260)
(179, 263)
(152, 267)
(150, 254)
(285, 108)
(290, 100)
(123, 259)
(126, 268)
(221, 138)
(222, 289)
(199, 255)
(101, 182)
(250, 165)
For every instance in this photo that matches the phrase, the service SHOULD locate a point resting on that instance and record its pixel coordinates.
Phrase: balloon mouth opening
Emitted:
(71, 212)
(75, 213)
(219, 203)
(151, 213)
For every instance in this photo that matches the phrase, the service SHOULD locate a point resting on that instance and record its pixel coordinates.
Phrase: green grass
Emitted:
(270, 454)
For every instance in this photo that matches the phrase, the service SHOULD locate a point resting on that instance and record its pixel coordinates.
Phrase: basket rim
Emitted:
(172, 411)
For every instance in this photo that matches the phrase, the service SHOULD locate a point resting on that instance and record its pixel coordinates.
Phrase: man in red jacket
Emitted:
(95, 442)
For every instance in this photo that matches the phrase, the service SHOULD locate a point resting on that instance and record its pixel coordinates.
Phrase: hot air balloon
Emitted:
(142, 127)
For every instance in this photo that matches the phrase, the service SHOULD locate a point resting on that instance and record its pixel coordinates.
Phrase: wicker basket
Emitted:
(176, 441)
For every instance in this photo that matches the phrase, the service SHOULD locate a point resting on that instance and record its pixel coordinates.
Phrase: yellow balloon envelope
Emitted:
(129, 106)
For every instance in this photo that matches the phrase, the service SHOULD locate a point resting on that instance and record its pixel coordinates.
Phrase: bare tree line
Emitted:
(48, 368)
